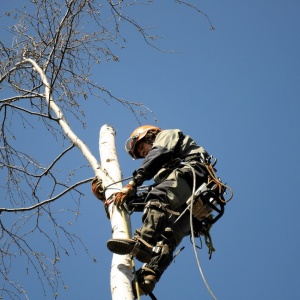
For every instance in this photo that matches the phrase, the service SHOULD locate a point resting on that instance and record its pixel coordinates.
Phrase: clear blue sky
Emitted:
(236, 91)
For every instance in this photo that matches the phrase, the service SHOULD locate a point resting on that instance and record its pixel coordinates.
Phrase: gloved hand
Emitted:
(97, 189)
(127, 192)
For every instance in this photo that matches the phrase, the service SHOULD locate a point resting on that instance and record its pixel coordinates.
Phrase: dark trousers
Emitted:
(159, 224)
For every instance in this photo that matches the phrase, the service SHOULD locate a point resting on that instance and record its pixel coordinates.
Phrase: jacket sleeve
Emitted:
(162, 152)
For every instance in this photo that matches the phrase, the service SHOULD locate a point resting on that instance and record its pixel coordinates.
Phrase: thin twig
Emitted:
(46, 201)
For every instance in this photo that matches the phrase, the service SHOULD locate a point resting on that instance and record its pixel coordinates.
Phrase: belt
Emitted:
(195, 157)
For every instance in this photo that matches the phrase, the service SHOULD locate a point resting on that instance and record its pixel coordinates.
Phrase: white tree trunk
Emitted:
(121, 269)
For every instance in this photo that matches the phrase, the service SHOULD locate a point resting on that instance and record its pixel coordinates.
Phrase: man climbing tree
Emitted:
(178, 166)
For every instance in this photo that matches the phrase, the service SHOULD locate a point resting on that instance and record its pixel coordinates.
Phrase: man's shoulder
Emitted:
(167, 138)
(170, 131)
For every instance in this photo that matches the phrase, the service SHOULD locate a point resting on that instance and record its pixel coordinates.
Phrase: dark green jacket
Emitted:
(168, 146)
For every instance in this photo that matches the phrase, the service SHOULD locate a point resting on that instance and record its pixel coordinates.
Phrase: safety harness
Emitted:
(207, 203)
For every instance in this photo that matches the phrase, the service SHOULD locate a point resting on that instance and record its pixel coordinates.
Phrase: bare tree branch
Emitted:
(21, 209)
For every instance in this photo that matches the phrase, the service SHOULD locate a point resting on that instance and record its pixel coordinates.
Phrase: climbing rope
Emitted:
(192, 232)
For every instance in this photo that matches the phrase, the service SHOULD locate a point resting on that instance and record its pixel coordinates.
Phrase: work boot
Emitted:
(146, 281)
(136, 247)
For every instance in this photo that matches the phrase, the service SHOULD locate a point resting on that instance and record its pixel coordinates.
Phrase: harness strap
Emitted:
(135, 249)
(204, 230)
(152, 296)
(161, 206)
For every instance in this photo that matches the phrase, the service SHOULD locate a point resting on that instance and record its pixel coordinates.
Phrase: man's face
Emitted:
(143, 148)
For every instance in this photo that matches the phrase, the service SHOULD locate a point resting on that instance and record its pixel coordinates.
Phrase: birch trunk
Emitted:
(121, 268)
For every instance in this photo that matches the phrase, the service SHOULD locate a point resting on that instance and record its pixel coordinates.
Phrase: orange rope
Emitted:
(221, 185)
